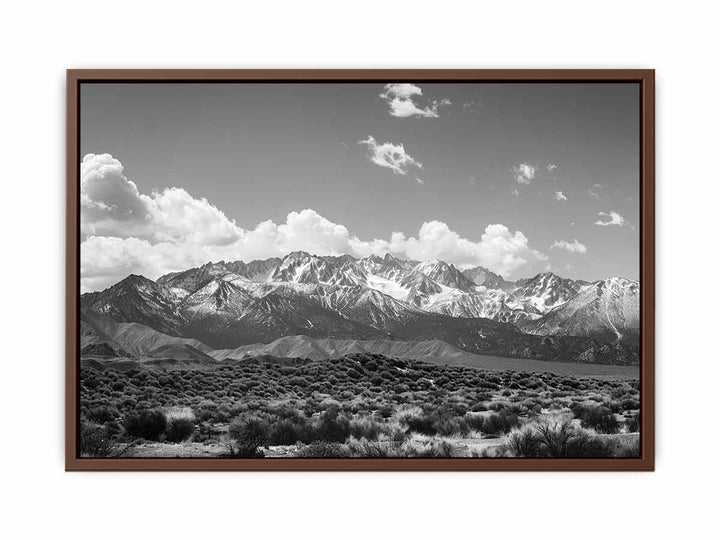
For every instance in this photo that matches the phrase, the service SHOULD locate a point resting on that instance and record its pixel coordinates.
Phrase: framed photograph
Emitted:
(360, 270)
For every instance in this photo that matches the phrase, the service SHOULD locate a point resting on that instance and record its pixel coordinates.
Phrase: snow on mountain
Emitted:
(138, 299)
(607, 310)
(194, 278)
(226, 304)
(445, 274)
(489, 304)
(387, 286)
(544, 292)
(368, 306)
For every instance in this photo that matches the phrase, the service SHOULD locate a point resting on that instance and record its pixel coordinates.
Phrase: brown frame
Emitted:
(646, 81)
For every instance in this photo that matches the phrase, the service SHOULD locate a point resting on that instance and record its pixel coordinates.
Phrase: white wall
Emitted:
(39, 42)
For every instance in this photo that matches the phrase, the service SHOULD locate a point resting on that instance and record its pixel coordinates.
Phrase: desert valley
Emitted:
(337, 356)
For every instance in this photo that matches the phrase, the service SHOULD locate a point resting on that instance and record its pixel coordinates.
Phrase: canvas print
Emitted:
(359, 270)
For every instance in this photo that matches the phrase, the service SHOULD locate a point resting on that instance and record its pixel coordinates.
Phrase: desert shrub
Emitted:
(438, 421)
(322, 449)
(91, 383)
(621, 446)
(395, 435)
(524, 443)
(597, 417)
(333, 427)
(629, 404)
(474, 421)
(286, 431)
(179, 429)
(249, 434)
(102, 415)
(369, 449)
(562, 440)
(113, 428)
(434, 449)
(632, 423)
(149, 425)
(419, 423)
(365, 428)
(501, 422)
(94, 441)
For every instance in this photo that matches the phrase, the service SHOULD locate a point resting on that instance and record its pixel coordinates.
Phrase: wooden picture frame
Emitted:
(645, 84)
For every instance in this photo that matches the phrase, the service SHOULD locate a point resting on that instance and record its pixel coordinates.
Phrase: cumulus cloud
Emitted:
(610, 218)
(498, 249)
(401, 99)
(125, 231)
(560, 196)
(111, 203)
(551, 167)
(391, 156)
(524, 173)
(472, 105)
(571, 247)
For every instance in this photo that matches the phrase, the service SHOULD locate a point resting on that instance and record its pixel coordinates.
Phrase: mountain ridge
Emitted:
(228, 305)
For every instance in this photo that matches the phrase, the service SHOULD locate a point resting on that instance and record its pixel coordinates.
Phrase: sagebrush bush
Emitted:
(149, 425)
(179, 429)
(369, 449)
(632, 423)
(94, 441)
(286, 431)
(562, 440)
(322, 449)
(102, 415)
(474, 421)
(249, 435)
(524, 443)
(597, 417)
(433, 449)
(366, 428)
(333, 427)
(439, 421)
(499, 423)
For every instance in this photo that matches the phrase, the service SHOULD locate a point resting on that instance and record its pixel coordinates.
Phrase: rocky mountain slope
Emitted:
(229, 305)
(607, 310)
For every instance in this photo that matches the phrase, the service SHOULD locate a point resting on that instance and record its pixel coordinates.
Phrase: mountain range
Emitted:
(228, 306)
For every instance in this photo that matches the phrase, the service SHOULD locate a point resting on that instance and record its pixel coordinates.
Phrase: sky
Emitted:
(519, 178)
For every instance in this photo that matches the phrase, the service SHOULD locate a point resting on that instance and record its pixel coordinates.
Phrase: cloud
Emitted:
(111, 203)
(524, 173)
(105, 191)
(498, 249)
(401, 99)
(560, 196)
(419, 180)
(391, 156)
(472, 105)
(124, 231)
(551, 167)
(515, 192)
(613, 219)
(571, 247)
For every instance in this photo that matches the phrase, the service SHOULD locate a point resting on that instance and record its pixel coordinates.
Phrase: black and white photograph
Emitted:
(415, 269)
